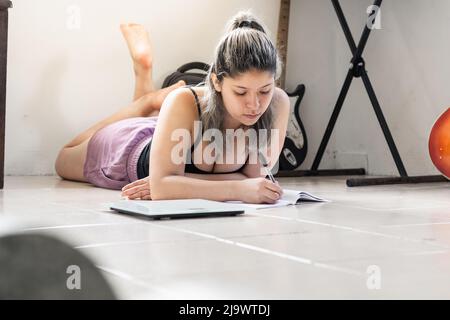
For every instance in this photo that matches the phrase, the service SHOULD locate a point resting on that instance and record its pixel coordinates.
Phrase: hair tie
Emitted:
(245, 24)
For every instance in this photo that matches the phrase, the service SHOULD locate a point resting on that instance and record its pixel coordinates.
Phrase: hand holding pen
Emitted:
(259, 190)
(265, 164)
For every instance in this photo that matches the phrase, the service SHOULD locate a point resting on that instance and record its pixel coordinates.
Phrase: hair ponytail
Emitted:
(245, 19)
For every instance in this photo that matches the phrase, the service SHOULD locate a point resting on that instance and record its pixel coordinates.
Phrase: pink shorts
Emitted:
(113, 152)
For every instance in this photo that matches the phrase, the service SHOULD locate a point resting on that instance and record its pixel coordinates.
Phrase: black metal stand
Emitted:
(4, 6)
(357, 69)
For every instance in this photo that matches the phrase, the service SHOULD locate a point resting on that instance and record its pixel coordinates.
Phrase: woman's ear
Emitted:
(216, 83)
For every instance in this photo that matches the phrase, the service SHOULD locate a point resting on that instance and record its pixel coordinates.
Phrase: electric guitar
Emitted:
(295, 144)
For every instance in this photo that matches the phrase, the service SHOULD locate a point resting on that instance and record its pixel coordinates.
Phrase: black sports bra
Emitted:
(143, 162)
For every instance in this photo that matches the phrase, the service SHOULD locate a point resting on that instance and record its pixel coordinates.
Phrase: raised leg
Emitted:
(139, 46)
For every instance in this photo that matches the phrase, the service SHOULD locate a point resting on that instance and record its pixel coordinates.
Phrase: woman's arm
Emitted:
(182, 187)
(140, 189)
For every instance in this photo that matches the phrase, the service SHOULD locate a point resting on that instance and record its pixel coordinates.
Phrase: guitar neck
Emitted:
(282, 38)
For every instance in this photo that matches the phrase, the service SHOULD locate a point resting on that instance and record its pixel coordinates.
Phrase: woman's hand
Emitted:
(259, 190)
(139, 189)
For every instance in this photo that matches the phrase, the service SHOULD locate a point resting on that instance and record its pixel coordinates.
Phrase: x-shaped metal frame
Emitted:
(356, 70)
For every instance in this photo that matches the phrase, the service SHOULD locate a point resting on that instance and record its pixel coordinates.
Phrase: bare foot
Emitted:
(139, 46)
(155, 99)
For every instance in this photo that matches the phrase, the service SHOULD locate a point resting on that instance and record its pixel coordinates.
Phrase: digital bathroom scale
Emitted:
(170, 209)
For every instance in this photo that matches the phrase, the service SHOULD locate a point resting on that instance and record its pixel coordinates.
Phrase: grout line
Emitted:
(119, 243)
(423, 253)
(266, 251)
(102, 208)
(107, 244)
(415, 224)
(443, 205)
(79, 226)
(334, 226)
(134, 280)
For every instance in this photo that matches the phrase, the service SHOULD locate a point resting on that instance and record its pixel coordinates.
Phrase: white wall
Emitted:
(61, 81)
(408, 65)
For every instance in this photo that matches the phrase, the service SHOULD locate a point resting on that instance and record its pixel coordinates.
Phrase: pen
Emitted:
(265, 165)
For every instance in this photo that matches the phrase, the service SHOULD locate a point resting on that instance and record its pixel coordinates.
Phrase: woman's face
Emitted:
(246, 97)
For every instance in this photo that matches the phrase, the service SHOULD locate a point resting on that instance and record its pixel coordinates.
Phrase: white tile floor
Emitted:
(306, 251)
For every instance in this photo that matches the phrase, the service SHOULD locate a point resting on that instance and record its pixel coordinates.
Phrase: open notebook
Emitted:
(290, 197)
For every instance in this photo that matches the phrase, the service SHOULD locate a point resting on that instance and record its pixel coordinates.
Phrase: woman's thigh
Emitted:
(70, 162)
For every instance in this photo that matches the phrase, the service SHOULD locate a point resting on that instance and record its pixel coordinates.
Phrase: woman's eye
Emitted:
(244, 93)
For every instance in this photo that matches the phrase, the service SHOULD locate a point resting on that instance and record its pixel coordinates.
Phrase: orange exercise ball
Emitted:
(439, 144)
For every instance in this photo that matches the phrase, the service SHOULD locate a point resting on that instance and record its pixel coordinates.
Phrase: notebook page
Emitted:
(290, 197)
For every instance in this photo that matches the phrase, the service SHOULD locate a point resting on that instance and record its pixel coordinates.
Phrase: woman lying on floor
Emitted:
(238, 99)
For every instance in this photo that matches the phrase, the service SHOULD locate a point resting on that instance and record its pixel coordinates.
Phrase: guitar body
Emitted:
(439, 144)
(295, 144)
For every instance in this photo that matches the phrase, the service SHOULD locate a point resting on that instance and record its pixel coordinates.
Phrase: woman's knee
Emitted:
(69, 163)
